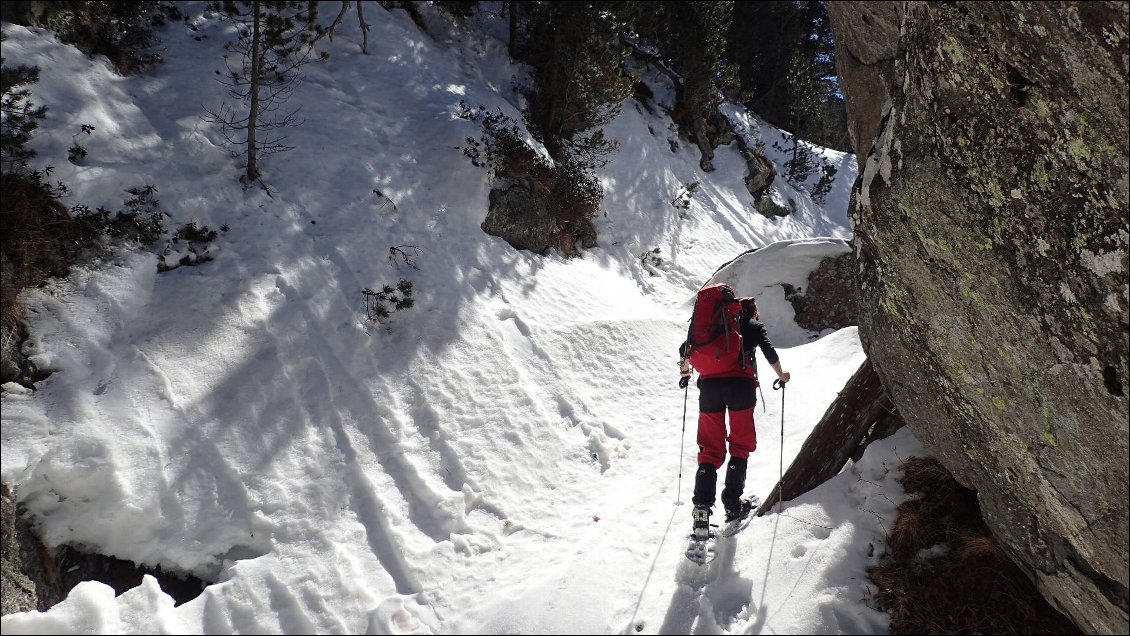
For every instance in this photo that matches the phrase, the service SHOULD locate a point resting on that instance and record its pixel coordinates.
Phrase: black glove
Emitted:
(684, 381)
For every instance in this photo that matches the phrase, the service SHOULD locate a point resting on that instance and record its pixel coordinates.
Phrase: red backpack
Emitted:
(714, 340)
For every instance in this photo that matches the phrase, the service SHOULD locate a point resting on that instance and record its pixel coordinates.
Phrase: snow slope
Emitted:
(508, 456)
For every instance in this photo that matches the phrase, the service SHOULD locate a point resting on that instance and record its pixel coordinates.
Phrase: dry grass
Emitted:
(973, 588)
(972, 548)
(911, 531)
(926, 475)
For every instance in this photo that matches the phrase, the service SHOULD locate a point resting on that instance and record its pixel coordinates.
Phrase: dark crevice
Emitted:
(1018, 86)
(1112, 382)
(75, 566)
(42, 577)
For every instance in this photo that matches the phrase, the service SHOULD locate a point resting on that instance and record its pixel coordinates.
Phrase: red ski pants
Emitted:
(717, 396)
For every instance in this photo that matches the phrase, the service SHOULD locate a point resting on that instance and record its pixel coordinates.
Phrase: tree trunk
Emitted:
(337, 21)
(553, 94)
(253, 117)
(512, 45)
(364, 29)
(796, 146)
(860, 414)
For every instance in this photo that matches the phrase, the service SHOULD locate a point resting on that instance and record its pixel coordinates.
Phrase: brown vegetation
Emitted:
(571, 193)
(38, 240)
(970, 586)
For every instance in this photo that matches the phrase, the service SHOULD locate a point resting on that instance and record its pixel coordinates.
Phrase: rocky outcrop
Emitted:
(27, 585)
(18, 591)
(860, 414)
(37, 578)
(14, 365)
(831, 300)
(521, 218)
(990, 226)
(866, 41)
(761, 172)
(769, 208)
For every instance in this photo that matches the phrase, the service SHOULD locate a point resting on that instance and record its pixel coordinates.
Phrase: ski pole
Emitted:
(777, 384)
(682, 441)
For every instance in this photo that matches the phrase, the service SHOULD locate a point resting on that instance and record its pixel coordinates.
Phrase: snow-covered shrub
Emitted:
(189, 245)
(142, 221)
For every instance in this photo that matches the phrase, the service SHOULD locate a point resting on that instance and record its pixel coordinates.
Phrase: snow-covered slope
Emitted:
(506, 456)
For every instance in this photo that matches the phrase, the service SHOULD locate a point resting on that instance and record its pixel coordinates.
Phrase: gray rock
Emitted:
(831, 300)
(990, 226)
(761, 173)
(520, 217)
(866, 41)
(17, 593)
(14, 365)
(770, 208)
(27, 584)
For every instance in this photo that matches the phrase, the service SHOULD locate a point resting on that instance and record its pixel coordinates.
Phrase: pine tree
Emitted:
(763, 40)
(579, 81)
(691, 38)
(803, 99)
(20, 116)
(275, 40)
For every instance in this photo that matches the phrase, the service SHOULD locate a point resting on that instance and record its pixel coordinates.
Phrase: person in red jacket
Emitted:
(736, 392)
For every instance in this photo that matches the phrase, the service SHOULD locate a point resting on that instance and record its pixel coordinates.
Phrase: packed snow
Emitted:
(510, 455)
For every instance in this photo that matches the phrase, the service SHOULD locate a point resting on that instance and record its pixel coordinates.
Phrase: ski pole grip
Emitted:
(777, 384)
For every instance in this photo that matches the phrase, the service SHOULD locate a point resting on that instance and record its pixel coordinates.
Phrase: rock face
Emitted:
(991, 231)
(831, 300)
(866, 42)
(33, 578)
(18, 592)
(27, 586)
(521, 218)
(761, 172)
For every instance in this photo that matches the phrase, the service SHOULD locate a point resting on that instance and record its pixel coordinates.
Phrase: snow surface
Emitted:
(508, 456)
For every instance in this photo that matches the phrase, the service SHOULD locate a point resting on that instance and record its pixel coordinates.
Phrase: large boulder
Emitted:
(991, 231)
(866, 42)
(527, 221)
(520, 217)
(761, 172)
(831, 300)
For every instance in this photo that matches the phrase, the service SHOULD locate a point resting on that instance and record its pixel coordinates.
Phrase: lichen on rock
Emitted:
(991, 209)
